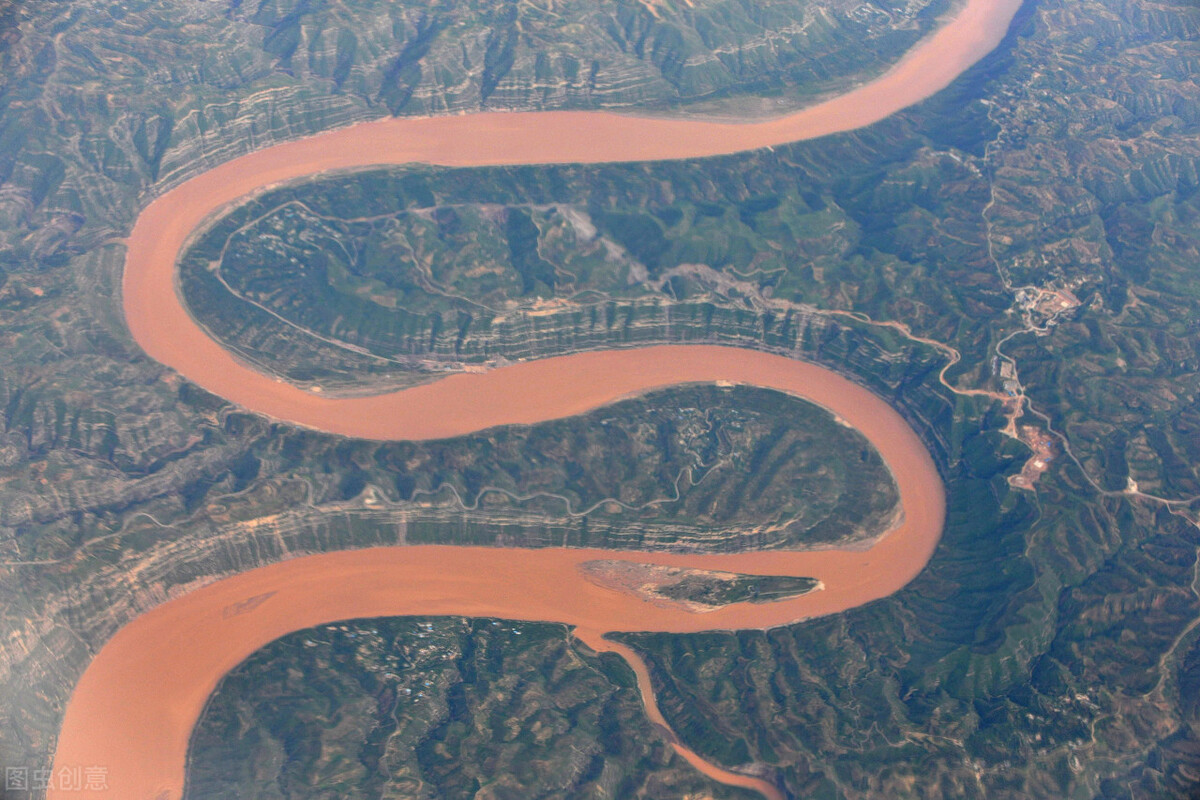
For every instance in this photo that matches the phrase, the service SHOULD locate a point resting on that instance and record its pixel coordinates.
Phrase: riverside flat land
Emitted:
(1036, 225)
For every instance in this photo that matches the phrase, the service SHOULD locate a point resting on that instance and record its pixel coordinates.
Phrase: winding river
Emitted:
(135, 706)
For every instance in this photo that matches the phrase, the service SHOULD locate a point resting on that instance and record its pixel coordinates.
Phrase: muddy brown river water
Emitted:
(135, 706)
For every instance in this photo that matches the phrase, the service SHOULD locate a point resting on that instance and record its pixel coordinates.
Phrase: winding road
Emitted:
(135, 706)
